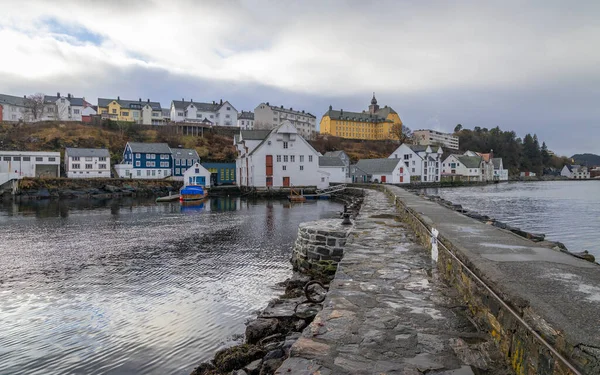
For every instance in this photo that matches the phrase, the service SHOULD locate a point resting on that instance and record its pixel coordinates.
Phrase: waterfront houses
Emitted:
(197, 175)
(136, 111)
(279, 157)
(390, 170)
(87, 162)
(463, 167)
(376, 124)
(335, 167)
(183, 158)
(429, 137)
(246, 120)
(345, 159)
(421, 162)
(221, 113)
(576, 172)
(221, 173)
(145, 161)
(500, 174)
(267, 116)
(19, 164)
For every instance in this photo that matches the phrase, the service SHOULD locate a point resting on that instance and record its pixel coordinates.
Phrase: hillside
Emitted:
(356, 149)
(586, 159)
(55, 137)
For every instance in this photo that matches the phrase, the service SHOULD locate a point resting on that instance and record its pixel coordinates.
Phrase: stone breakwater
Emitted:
(539, 305)
(536, 237)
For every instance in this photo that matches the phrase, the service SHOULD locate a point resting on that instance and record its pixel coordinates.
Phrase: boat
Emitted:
(192, 193)
(168, 198)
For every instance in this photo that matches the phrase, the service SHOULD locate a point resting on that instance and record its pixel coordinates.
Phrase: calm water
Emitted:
(122, 287)
(566, 211)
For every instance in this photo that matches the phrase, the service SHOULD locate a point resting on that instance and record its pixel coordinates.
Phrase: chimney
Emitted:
(148, 100)
(268, 103)
(140, 99)
(182, 99)
(491, 154)
(191, 100)
(69, 96)
(291, 109)
(58, 94)
(214, 102)
(24, 96)
(118, 98)
(341, 112)
(221, 102)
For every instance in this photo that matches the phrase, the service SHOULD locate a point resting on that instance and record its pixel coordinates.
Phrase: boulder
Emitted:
(269, 367)
(307, 310)
(239, 372)
(585, 255)
(204, 369)
(237, 357)
(274, 354)
(111, 188)
(259, 328)
(254, 367)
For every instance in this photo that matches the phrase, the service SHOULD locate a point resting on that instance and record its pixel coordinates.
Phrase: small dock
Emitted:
(168, 198)
(299, 196)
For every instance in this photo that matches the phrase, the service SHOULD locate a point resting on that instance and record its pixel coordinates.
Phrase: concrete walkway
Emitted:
(387, 313)
(557, 292)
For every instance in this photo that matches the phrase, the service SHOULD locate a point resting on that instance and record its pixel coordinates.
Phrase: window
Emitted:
(164, 156)
(102, 158)
(51, 159)
(406, 157)
(198, 115)
(76, 166)
(212, 116)
(147, 173)
(301, 167)
(88, 159)
(149, 156)
(136, 114)
(310, 157)
(138, 164)
(139, 173)
(229, 108)
(75, 158)
(285, 158)
(292, 158)
(39, 158)
(413, 162)
(137, 156)
(76, 111)
(164, 164)
(274, 118)
(279, 158)
(322, 179)
(153, 173)
(102, 166)
(114, 111)
(16, 158)
(301, 158)
(176, 170)
(180, 114)
(413, 170)
(285, 145)
(176, 161)
(284, 167)
(227, 116)
(89, 166)
(242, 122)
(26, 158)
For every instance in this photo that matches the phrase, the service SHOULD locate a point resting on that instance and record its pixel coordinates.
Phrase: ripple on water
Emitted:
(137, 288)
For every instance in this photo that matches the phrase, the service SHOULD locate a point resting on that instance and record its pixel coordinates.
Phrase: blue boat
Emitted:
(192, 193)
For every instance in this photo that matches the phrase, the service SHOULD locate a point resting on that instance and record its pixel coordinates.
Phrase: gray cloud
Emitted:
(531, 67)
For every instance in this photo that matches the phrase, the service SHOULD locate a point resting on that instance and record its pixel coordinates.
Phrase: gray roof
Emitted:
(334, 154)
(355, 116)
(129, 104)
(255, 135)
(246, 115)
(422, 148)
(326, 161)
(151, 148)
(184, 153)
(496, 162)
(166, 112)
(204, 107)
(469, 161)
(290, 111)
(378, 166)
(18, 101)
(83, 152)
(73, 100)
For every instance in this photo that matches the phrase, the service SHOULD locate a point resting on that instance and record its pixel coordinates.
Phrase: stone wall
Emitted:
(525, 353)
(320, 246)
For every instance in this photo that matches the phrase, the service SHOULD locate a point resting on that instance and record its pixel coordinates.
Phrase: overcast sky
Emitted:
(527, 66)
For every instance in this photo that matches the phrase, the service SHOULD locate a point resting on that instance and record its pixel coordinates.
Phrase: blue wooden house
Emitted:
(221, 173)
(146, 160)
(183, 159)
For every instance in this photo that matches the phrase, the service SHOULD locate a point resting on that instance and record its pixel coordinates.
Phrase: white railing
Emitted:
(331, 189)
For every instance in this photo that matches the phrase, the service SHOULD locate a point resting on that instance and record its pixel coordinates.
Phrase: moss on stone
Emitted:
(237, 357)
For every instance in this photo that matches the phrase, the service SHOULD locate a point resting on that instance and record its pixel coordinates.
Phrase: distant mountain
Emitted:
(586, 159)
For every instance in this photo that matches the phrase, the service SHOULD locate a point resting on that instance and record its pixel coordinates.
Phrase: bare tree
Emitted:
(34, 105)
(402, 133)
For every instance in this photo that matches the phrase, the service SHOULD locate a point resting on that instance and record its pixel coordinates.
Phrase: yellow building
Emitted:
(137, 111)
(376, 124)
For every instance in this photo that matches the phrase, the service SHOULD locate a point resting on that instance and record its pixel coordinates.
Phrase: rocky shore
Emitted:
(66, 188)
(540, 238)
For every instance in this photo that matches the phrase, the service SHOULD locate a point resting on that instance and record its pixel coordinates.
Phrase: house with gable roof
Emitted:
(145, 161)
(87, 162)
(390, 170)
(421, 162)
(137, 111)
(463, 167)
(63, 108)
(344, 158)
(220, 114)
(183, 159)
(279, 157)
(13, 108)
(335, 167)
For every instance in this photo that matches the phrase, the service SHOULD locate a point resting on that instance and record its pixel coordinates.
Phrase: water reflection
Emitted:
(129, 286)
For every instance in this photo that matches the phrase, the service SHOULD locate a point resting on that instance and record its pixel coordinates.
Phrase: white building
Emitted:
(220, 114)
(197, 175)
(335, 167)
(13, 108)
(345, 159)
(62, 108)
(500, 174)
(30, 163)
(421, 162)
(276, 158)
(463, 167)
(246, 120)
(267, 116)
(576, 172)
(390, 170)
(87, 163)
(431, 137)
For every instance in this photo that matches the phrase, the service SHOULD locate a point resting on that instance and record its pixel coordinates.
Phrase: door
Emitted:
(269, 181)
(201, 180)
(286, 182)
(383, 179)
(269, 165)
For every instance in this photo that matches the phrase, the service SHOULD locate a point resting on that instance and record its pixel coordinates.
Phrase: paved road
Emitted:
(387, 312)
